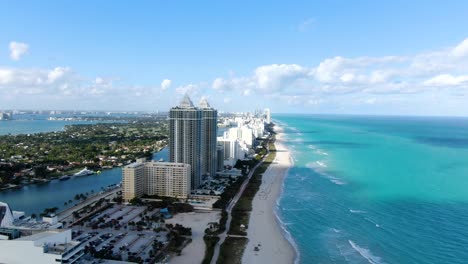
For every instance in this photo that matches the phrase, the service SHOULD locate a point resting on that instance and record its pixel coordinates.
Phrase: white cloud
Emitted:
(17, 50)
(371, 75)
(57, 74)
(99, 80)
(447, 80)
(165, 84)
(191, 89)
(278, 76)
(266, 78)
(247, 92)
(461, 49)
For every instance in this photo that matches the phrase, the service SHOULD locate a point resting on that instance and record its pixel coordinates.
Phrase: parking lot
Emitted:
(121, 231)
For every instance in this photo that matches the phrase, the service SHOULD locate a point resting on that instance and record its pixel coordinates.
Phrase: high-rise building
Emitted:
(209, 126)
(192, 138)
(185, 137)
(267, 114)
(156, 178)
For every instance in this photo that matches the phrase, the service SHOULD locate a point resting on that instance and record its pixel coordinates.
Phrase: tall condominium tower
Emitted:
(185, 137)
(209, 126)
(192, 138)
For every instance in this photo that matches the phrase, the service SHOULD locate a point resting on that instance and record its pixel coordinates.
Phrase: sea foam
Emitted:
(365, 253)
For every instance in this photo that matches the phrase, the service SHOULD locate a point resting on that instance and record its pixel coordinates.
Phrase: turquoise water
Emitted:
(377, 189)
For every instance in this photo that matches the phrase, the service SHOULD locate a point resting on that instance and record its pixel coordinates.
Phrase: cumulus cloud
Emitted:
(447, 80)
(266, 78)
(191, 89)
(12, 78)
(371, 75)
(461, 49)
(17, 50)
(165, 84)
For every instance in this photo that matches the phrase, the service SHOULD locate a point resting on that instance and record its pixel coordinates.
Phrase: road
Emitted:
(68, 212)
(229, 208)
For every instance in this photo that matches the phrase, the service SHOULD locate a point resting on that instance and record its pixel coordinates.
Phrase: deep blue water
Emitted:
(377, 189)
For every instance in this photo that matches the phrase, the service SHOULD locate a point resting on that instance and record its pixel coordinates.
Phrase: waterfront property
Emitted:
(192, 138)
(156, 178)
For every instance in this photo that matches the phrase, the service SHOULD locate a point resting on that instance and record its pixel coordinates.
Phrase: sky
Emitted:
(334, 57)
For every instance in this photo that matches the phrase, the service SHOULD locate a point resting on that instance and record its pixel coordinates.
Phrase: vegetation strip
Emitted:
(233, 247)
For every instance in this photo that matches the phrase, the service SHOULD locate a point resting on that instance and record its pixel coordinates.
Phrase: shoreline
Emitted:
(269, 241)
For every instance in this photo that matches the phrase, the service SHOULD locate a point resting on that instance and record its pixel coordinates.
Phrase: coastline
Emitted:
(265, 231)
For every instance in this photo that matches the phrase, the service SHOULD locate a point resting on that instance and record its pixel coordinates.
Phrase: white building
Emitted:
(6, 215)
(41, 248)
(156, 178)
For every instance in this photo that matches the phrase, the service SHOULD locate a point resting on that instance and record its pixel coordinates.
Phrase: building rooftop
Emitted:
(186, 102)
(39, 236)
(204, 103)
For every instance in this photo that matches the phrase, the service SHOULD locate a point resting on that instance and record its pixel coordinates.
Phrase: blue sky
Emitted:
(355, 57)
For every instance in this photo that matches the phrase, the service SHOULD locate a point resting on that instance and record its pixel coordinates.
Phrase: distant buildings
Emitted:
(156, 178)
(6, 116)
(192, 138)
(238, 141)
(267, 115)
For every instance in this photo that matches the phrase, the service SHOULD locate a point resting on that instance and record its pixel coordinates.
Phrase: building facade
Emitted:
(132, 181)
(156, 178)
(42, 248)
(167, 179)
(209, 126)
(192, 138)
(185, 138)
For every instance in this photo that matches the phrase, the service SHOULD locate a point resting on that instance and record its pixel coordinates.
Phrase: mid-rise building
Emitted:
(132, 181)
(167, 179)
(156, 178)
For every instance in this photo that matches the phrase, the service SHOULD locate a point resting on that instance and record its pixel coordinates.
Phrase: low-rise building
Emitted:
(44, 247)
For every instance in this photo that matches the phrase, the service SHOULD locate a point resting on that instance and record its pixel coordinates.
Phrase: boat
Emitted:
(84, 172)
(64, 178)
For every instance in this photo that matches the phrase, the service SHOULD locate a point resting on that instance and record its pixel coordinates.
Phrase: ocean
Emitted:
(376, 189)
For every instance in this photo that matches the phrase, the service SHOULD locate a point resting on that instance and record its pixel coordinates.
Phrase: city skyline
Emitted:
(334, 57)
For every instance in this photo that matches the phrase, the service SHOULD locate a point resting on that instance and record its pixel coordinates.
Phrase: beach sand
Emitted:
(264, 228)
(194, 251)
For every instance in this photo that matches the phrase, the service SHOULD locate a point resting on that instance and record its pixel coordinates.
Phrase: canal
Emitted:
(35, 198)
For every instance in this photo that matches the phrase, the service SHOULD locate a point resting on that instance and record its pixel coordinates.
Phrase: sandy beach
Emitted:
(194, 251)
(264, 230)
